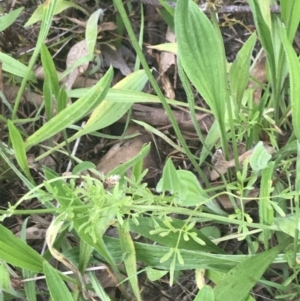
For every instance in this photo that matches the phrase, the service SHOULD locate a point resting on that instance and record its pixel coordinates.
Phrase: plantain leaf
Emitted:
(58, 289)
(74, 112)
(9, 19)
(16, 252)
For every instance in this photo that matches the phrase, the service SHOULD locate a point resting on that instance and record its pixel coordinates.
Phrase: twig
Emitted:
(226, 9)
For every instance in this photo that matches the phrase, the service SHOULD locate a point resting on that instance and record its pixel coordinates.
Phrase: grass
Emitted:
(181, 224)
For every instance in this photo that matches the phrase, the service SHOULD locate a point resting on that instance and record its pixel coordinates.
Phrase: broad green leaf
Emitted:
(170, 180)
(58, 289)
(62, 5)
(151, 255)
(265, 36)
(183, 184)
(238, 282)
(260, 157)
(128, 250)
(239, 70)
(294, 75)
(201, 53)
(108, 112)
(19, 148)
(51, 77)
(8, 19)
(72, 113)
(191, 193)
(13, 66)
(154, 275)
(206, 293)
(4, 277)
(290, 16)
(91, 31)
(287, 224)
(17, 253)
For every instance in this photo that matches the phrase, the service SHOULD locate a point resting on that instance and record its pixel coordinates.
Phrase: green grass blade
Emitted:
(91, 31)
(48, 11)
(206, 293)
(131, 33)
(9, 19)
(19, 149)
(294, 72)
(16, 252)
(61, 6)
(128, 250)
(58, 289)
(72, 113)
(291, 17)
(108, 112)
(11, 65)
(239, 73)
(51, 77)
(98, 288)
(237, 284)
(266, 211)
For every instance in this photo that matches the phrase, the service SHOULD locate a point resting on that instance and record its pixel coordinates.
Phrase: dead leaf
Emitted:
(115, 58)
(125, 150)
(259, 73)
(76, 52)
(220, 165)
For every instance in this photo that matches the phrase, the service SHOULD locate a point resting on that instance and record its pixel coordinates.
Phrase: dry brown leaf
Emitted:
(123, 151)
(115, 58)
(220, 165)
(259, 73)
(76, 52)
(226, 203)
(167, 59)
(33, 232)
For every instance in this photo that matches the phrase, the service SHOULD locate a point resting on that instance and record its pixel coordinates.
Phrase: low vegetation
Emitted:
(223, 212)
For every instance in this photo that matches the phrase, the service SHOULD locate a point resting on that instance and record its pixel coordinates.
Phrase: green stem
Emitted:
(154, 84)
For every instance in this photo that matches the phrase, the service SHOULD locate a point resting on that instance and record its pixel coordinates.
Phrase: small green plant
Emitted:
(175, 221)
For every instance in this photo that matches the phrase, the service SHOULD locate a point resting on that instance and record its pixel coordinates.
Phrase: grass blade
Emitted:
(237, 284)
(72, 113)
(58, 289)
